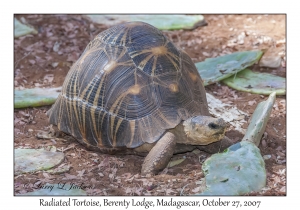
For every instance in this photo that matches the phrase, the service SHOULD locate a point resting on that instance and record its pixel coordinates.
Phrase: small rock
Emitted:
(279, 42)
(264, 144)
(206, 54)
(266, 39)
(271, 61)
(241, 38)
(56, 46)
(54, 64)
(266, 157)
(280, 154)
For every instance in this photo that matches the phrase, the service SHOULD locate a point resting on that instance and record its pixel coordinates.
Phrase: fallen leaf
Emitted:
(32, 61)
(138, 191)
(126, 175)
(49, 77)
(44, 135)
(104, 162)
(251, 103)
(175, 162)
(128, 190)
(195, 190)
(69, 176)
(283, 189)
(56, 46)
(169, 191)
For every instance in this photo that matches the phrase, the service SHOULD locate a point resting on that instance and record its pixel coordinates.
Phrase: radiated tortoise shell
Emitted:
(128, 87)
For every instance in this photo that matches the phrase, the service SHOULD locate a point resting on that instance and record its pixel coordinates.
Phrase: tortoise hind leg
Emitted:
(159, 156)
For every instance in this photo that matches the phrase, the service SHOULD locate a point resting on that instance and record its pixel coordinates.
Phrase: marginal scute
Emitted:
(130, 85)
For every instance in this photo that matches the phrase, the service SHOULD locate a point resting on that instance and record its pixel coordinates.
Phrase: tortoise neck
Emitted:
(180, 135)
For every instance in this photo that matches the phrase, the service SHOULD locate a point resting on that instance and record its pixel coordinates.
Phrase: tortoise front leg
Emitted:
(159, 156)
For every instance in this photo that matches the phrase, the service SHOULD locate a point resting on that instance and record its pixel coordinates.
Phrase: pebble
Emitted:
(271, 62)
(266, 157)
(264, 144)
(241, 38)
(280, 154)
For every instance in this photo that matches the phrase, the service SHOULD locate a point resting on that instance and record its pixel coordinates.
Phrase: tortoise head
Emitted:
(203, 130)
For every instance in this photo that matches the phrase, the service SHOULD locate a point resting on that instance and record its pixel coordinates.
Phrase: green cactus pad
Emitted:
(162, 22)
(259, 120)
(213, 70)
(258, 83)
(31, 160)
(21, 29)
(240, 169)
(237, 171)
(35, 97)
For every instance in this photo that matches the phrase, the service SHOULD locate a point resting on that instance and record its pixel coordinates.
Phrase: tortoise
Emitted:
(132, 90)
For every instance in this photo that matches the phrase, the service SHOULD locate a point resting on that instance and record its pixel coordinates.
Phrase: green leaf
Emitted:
(213, 70)
(259, 83)
(162, 22)
(35, 97)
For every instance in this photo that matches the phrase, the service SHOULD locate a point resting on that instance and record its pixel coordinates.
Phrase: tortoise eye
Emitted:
(213, 125)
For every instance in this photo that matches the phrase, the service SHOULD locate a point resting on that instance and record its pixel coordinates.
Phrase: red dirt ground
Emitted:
(43, 60)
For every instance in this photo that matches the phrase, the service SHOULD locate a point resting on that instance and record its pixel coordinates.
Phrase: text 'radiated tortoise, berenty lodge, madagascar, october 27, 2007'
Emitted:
(133, 92)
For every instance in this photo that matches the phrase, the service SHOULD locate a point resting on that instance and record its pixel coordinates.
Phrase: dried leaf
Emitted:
(47, 176)
(56, 46)
(126, 175)
(69, 176)
(32, 61)
(104, 162)
(251, 103)
(138, 191)
(283, 189)
(128, 190)
(44, 135)
(195, 190)
(169, 191)
(175, 162)
(49, 77)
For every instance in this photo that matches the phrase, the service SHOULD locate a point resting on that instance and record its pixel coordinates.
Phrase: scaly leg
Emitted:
(159, 156)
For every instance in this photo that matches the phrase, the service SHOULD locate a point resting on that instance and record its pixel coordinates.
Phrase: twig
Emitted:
(17, 62)
(182, 190)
